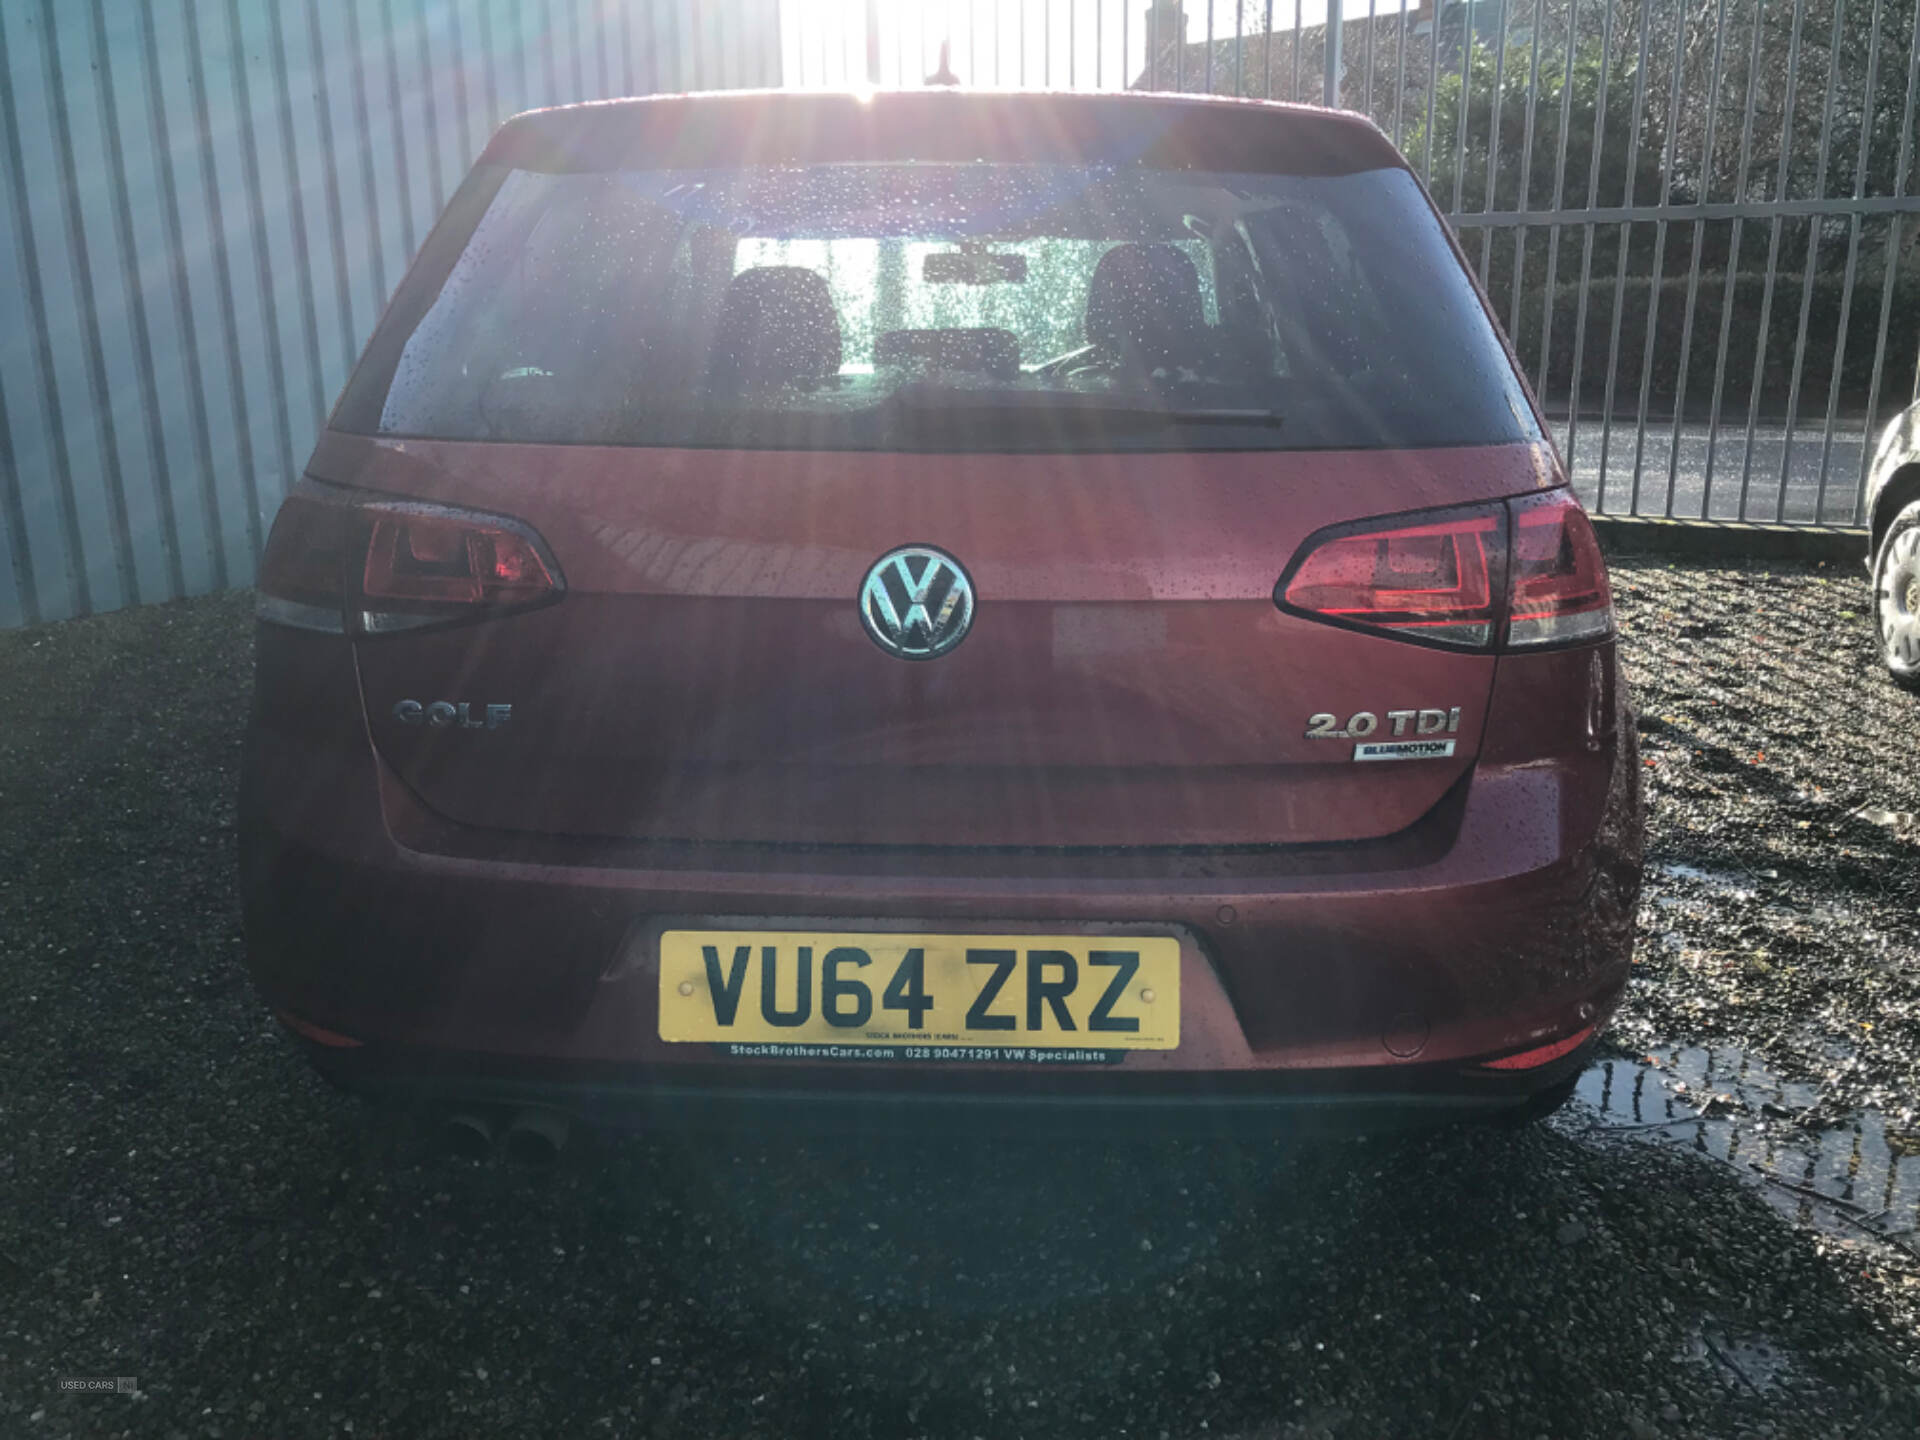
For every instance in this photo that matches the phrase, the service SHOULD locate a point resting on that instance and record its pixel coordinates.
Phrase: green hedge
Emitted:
(1743, 334)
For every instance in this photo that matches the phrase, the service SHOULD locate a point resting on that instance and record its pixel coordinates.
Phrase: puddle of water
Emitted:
(1756, 1359)
(1857, 1178)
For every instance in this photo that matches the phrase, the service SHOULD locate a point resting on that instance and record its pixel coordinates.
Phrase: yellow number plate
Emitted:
(1085, 992)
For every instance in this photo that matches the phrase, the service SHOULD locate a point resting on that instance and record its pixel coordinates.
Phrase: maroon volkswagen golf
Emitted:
(940, 604)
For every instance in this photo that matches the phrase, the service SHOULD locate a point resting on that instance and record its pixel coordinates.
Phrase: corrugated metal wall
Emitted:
(203, 206)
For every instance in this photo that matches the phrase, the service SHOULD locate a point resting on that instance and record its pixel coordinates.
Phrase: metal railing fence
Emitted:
(1695, 217)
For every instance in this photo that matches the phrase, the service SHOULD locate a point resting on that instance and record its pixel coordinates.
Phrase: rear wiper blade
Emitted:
(1054, 404)
(1195, 415)
(1171, 415)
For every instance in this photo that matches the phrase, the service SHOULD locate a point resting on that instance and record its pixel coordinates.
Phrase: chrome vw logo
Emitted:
(916, 602)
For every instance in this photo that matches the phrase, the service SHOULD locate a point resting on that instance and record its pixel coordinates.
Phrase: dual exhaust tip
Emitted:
(528, 1136)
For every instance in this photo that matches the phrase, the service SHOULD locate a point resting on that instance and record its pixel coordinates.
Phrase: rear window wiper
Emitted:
(1068, 404)
(1193, 415)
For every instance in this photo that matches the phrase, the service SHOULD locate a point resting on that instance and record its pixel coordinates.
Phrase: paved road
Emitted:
(1685, 480)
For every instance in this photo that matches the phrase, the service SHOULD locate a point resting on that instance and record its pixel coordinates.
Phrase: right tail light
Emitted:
(1557, 591)
(1520, 574)
(346, 562)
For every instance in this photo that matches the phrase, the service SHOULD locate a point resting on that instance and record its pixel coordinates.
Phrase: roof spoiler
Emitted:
(770, 127)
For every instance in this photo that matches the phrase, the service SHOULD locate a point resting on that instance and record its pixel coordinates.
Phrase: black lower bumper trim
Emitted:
(607, 1098)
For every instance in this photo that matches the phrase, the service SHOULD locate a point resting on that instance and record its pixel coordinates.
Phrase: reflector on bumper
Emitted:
(1540, 1055)
(333, 1039)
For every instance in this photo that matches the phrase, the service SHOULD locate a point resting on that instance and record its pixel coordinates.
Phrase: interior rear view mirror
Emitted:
(973, 267)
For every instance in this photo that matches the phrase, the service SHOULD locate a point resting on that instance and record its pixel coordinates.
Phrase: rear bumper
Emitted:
(1350, 985)
(798, 1101)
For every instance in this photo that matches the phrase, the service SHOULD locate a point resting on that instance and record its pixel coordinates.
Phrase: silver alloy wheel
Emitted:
(1898, 599)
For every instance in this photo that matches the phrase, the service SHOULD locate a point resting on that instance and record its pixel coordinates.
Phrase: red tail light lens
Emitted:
(1434, 578)
(1559, 588)
(1450, 577)
(395, 565)
(444, 558)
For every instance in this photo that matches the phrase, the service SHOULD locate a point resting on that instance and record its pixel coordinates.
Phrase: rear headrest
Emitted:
(1143, 306)
(777, 324)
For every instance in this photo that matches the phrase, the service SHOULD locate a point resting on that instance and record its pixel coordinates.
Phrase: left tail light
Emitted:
(345, 562)
(1510, 574)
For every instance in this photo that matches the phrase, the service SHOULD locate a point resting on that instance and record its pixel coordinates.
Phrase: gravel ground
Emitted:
(1783, 893)
(182, 1202)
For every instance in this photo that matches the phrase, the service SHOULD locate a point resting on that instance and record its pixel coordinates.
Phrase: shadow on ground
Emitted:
(267, 1261)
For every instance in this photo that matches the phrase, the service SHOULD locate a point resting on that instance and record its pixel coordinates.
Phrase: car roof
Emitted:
(740, 127)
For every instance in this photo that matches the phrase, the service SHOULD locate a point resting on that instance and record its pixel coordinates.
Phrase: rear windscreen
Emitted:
(941, 306)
